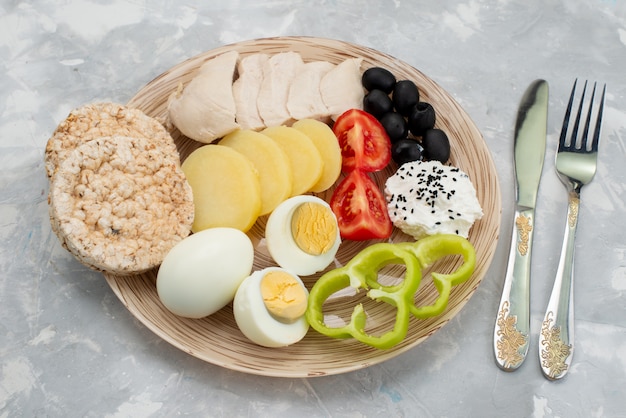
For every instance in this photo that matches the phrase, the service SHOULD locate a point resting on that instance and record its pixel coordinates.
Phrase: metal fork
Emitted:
(576, 166)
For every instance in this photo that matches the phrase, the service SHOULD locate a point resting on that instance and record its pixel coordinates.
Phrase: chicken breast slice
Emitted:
(341, 87)
(278, 73)
(305, 97)
(205, 109)
(246, 91)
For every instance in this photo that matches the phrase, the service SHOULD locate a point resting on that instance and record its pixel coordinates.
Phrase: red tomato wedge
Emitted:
(360, 208)
(364, 143)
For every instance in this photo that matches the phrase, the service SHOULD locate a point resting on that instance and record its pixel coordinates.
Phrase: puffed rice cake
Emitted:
(95, 120)
(119, 204)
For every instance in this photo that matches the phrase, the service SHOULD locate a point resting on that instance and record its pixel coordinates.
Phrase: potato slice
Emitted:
(327, 144)
(270, 161)
(226, 188)
(306, 161)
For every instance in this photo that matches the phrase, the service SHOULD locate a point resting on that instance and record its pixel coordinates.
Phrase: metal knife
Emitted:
(512, 328)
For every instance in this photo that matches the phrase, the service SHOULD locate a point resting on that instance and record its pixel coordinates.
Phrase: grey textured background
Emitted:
(69, 348)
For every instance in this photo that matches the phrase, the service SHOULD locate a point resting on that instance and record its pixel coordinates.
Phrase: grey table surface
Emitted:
(68, 347)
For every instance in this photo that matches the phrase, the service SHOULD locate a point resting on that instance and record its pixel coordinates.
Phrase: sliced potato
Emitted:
(271, 162)
(327, 144)
(226, 188)
(306, 161)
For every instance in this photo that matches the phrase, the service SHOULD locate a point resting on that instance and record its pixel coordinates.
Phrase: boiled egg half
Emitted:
(269, 307)
(302, 235)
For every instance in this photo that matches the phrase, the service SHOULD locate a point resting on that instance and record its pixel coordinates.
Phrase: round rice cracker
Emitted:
(119, 204)
(96, 120)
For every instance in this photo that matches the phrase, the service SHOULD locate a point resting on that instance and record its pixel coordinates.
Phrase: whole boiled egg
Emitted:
(200, 275)
(302, 235)
(269, 307)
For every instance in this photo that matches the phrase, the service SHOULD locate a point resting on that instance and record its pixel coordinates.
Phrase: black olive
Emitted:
(377, 78)
(395, 126)
(436, 145)
(421, 118)
(406, 150)
(405, 96)
(377, 103)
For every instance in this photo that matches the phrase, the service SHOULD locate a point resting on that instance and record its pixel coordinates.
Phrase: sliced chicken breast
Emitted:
(246, 90)
(205, 109)
(341, 87)
(305, 97)
(278, 73)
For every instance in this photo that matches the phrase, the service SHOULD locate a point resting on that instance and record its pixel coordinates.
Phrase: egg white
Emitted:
(201, 274)
(255, 321)
(284, 249)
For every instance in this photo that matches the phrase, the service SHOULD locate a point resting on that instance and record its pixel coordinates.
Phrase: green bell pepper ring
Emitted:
(362, 272)
(430, 249)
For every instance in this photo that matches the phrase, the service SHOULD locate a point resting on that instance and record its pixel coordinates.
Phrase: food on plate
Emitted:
(427, 198)
(363, 272)
(436, 145)
(226, 188)
(406, 150)
(395, 125)
(96, 120)
(201, 274)
(261, 90)
(363, 141)
(270, 161)
(302, 235)
(278, 73)
(360, 208)
(421, 118)
(119, 204)
(305, 98)
(246, 90)
(306, 161)
(326, 143)
(377, 103)
(377, 78)
(341, 87)
(204, 109)
(430, 249)
(405, 96)
(269, 307)
(405, 119)
(433, 146)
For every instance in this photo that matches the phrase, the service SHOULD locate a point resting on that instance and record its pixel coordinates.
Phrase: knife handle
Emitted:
(512, 329)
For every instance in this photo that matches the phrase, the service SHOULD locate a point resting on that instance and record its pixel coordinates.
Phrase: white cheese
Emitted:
(427, 198)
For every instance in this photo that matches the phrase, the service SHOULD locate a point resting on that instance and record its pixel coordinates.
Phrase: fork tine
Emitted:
(568, 113)
(583, 141)
(596, 132)
(572, 144)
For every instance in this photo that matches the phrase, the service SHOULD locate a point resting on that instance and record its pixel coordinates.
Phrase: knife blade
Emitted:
(512, 328)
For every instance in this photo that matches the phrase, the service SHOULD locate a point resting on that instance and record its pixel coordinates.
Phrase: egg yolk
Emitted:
(313, 228)
(283, 295)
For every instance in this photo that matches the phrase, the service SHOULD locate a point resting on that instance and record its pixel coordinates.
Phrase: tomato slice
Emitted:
(364, 143)
(360, 208)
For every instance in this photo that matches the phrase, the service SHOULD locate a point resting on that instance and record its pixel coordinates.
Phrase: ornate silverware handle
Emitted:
(556, 341)
(511, 332)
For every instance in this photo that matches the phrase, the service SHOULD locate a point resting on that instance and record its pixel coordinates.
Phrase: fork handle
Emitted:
(556, 340)
(511, 331)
